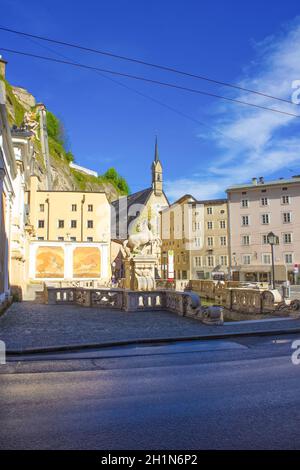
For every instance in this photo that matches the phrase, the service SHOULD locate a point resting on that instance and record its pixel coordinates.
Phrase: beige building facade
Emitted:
(70, 235)
(255, 210)
(8, 172)
(195, 239)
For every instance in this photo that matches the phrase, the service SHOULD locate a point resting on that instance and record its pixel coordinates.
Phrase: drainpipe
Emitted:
(82, 203)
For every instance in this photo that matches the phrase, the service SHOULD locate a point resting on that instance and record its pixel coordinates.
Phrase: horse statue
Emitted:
(139, 243)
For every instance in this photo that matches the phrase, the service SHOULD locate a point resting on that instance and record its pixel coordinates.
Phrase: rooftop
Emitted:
(260, 182)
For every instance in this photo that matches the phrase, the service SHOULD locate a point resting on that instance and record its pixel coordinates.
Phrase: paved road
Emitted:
(194, 395)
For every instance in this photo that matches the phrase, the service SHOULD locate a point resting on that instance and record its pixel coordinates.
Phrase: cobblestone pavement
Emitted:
(30, 325)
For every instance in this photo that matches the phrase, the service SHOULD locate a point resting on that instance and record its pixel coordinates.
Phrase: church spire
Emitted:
(157, 175)
(156, 156)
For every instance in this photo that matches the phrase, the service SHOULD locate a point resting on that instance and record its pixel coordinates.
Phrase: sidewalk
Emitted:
(29, 327)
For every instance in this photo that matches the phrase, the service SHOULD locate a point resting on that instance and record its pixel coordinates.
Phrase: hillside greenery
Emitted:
(58, 148)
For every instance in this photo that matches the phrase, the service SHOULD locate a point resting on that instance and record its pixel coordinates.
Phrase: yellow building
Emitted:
(71, 235)
(195, 239)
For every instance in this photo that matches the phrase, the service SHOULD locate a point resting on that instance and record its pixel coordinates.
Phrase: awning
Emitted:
(255, 269)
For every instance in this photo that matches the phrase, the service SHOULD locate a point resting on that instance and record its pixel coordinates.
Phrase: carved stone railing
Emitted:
(165, 284)
(234, 296)
(251, 300)
(144, 300)
(183, 303)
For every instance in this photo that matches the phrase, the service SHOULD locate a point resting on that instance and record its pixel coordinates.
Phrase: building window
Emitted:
(42, 207)
(266, 258)
(41, 224)
(265, 240)
(210, 261)
(288, 258)
(287, 238)
(209, 210)
(89, 239)
(245, 220)
(222, 211)
(222, 224)
(209, 225)
(61, 224)
(184, 275)
(285, 199)
(90, 224)
(61, 239)
(223, 241)
(197, 241)
(264, 201)
(287, 217)
(73, 223)
(223, 260)
(210, 241)
(246, 259)
(74, 207)
(40, 238)
(90, 208)
(197, 261)
(245, 203)
(265, 219)
(246, 240)
(73, 239)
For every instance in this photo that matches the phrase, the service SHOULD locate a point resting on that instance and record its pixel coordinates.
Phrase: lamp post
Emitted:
(272, 240)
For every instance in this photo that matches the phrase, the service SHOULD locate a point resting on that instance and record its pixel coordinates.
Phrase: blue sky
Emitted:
(255, 44)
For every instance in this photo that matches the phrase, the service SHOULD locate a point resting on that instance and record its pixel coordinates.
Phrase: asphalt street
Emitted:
(212, 394)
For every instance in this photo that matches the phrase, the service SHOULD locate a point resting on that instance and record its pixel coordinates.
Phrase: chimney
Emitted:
(254, 181)
(2, 66)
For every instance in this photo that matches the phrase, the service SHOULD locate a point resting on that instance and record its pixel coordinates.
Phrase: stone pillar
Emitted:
(140, 272)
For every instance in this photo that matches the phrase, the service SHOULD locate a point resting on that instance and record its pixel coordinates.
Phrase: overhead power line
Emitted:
(148, 64)
(148, 80)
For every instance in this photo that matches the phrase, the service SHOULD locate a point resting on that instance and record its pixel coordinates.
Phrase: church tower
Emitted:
(157, 173)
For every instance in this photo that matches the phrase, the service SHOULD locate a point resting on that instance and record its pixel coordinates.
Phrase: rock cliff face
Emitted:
(20, 105)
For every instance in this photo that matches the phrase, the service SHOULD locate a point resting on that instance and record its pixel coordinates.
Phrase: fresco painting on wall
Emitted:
(50, 262)
(86, 262)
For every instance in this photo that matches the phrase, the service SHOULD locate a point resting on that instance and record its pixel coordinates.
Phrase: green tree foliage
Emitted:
(55, 128)
(119, 182)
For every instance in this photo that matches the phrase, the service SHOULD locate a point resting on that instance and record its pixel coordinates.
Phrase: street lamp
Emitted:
(272, 240)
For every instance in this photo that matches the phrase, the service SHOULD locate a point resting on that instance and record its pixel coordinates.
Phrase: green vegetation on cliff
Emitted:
(16, 109)
(61, 156)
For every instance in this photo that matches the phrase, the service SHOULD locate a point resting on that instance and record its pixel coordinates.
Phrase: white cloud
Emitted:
(252, 141)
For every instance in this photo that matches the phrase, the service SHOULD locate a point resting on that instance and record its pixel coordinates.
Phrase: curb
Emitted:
(129, 342)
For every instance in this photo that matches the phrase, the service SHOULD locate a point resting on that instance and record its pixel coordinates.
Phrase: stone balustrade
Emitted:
(241, 300)
(233, 296)
(182, 303)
